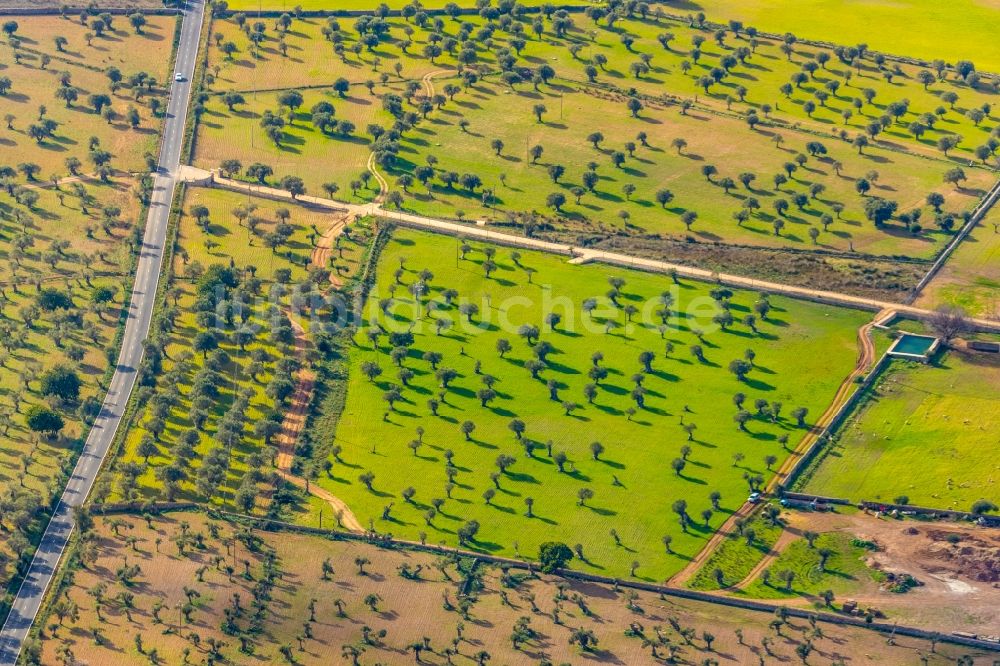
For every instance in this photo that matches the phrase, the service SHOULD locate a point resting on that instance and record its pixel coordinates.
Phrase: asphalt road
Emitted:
(46, 559)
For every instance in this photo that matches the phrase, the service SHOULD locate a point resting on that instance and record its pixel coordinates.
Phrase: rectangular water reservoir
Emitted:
(914, 347)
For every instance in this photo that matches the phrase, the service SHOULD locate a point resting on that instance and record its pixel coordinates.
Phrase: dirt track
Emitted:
(866, 356)
(345, 517)
(382, 184)
(295, 417)
(582, 254)
(428, 81)
(320, 256)
(957, 564)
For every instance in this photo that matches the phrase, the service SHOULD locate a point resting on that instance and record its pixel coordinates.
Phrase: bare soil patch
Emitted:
(75, 8)
(976, 555)
(413, 598)
(958, 565)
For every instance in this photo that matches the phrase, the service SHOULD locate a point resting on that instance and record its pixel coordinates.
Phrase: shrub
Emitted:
(62, 382)
(52, 299)
(554, 555)
(979, 507)
(42, 419)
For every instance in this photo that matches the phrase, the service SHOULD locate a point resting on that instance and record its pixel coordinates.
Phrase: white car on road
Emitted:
(178, 77)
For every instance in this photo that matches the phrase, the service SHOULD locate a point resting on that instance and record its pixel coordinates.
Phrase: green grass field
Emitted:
(573, 114)
(309, 60)
(937, 422)
(760, 70)
(952, 31)
(304, 151)
(638, 445)
(970, 279)
(623, 198)
(224, 237)
(520, 185)
(843, 574)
